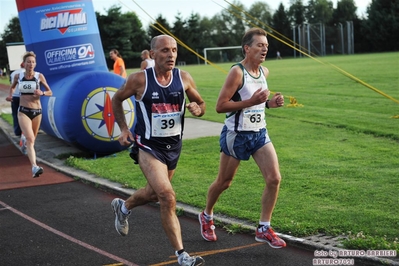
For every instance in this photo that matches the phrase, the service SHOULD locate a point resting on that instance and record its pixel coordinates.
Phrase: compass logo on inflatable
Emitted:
(62, 20)
(98, 117)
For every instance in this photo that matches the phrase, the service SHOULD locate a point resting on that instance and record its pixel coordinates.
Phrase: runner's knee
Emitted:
(167, 198)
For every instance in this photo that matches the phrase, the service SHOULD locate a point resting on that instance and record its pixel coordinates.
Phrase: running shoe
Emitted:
(121, 222)
(207, 228)
(267, 235)
(186, 260)
(22, 144)
(36, 171)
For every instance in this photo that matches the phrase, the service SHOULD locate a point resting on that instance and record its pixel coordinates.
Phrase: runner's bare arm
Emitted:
(134, 86)
(196, 106)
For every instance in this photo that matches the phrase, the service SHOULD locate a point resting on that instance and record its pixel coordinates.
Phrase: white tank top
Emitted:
(251, 118)
(20, 71)
(150, 62)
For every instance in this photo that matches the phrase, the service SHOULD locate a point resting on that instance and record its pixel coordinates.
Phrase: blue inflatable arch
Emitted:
(65, 38)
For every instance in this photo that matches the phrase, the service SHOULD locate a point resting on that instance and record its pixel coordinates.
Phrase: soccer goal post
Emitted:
(217, 48)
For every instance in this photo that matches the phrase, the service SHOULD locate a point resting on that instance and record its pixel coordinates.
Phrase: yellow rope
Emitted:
(293, 101)
(308, 55)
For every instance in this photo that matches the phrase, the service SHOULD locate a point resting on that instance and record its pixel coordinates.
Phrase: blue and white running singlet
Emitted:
(160, 111)
(251, 118)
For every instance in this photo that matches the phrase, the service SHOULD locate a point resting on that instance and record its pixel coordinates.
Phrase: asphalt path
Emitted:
(72, 224)
(56, 220)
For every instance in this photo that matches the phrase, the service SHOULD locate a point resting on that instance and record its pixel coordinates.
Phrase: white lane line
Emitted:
(68, 237)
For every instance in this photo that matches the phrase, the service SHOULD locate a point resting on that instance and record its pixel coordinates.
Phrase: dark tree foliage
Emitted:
(296, 13)
(12, 34)
(382, 26)
(377, 31)
(345, 11)
(195, 37)
(319, 11)
(260, 15)
(228, 28)
(179, 30)
(281, 29)
(159, 27)
(205, 36)
(234, 23)
(138, 37)
(122, 31)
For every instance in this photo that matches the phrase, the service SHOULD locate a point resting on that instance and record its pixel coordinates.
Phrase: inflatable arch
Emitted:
(65, 38)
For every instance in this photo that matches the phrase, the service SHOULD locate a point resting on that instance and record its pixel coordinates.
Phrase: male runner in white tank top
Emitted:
(244, 97)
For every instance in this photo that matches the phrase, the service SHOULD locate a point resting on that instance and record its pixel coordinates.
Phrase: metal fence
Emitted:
(318, 39)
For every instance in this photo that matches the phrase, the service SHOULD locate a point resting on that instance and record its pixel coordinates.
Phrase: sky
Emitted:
(147, 10)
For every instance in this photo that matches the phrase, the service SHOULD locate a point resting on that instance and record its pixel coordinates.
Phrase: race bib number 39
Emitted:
(166, 124)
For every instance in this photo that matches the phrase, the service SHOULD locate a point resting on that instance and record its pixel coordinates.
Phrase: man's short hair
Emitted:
(247, 39)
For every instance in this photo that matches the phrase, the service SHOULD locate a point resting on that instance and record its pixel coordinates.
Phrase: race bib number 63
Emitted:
(253, 119)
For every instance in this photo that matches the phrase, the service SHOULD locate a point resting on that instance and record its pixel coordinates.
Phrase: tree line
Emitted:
(376, 31)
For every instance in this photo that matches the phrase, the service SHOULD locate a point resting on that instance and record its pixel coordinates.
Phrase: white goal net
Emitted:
(223, 54)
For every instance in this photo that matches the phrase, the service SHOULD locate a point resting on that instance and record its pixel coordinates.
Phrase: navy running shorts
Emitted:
(241, 145)
(168, 154)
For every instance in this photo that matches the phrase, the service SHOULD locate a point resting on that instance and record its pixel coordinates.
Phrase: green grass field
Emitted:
(338, 153)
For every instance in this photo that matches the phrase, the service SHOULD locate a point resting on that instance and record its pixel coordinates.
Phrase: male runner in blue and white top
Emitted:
(160, 96)
(243, 98)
